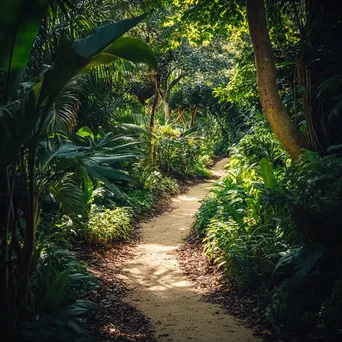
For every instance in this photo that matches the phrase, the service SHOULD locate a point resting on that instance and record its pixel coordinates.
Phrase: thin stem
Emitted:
(27, 251)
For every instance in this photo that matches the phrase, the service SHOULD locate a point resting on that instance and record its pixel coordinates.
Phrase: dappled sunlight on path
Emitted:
(160, 289)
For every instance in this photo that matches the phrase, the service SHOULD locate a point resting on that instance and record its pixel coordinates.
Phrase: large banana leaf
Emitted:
(20, 21)
(132, 49)
(103, 37)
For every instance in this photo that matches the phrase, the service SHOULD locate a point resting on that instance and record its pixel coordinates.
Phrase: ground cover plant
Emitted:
(263, 224)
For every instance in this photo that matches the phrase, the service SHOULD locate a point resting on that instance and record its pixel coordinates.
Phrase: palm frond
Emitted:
(102, 157)
(63, 115)
(128, 129)
(70, 197)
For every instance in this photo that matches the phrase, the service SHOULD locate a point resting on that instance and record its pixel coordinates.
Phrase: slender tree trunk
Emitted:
(152, 123)
(193, 118)
(153, 113)
(284, 129)
(167, 110)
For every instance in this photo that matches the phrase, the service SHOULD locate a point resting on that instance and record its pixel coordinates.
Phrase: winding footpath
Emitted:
(162, 292)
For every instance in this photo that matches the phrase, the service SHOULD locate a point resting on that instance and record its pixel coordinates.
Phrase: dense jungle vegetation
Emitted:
(107, 106)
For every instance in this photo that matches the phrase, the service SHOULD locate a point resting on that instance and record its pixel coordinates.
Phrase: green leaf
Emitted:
(85, 131)
(80, 307)
(17, 126)
(103, 36)
(99, 158)
(267, 174)
(132, 49)
(57, 291)
(334, 148)
(287, 258)
(70, 197)
(20, 21)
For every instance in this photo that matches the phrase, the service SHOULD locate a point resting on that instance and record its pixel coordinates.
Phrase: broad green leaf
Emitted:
(267, 174)
(20, 21)
(103, 36)
(287, 258)
(70, 197)
(85, 131)
(57, 291)
(132, 49)
(307, 258)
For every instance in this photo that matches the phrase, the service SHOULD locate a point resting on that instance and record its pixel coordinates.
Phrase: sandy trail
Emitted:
(160, 289)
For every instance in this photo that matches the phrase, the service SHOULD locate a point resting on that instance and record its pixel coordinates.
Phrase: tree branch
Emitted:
(173, 83)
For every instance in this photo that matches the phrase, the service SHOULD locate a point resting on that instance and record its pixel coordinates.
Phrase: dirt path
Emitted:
(160, 289)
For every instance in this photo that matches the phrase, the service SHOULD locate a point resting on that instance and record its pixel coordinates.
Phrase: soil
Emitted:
(161, 291)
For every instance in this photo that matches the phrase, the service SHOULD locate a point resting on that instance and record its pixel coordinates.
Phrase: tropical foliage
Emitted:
(107, 107)
(267, 226)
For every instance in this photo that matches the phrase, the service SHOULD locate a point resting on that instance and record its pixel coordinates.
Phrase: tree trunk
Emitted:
(152, 124)
(167, 110)
(193, 118)
(277, 115)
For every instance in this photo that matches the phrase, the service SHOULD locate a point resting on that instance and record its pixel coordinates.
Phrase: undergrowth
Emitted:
(275, 227)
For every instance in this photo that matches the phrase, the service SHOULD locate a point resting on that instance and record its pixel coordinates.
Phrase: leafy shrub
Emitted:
(59, 278)
(65, 324)
(57, 282)
(103, 197)
(57, 230)
(276, 226)
(151, 179)
(239, 229)
(226, 237)
(259, 143)
(315, 184)
(61, 259)
(244, 217)
(107, 225)
(179, 154)
(141, 201)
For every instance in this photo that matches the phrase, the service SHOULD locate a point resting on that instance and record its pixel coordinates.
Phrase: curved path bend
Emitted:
(162, 292)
